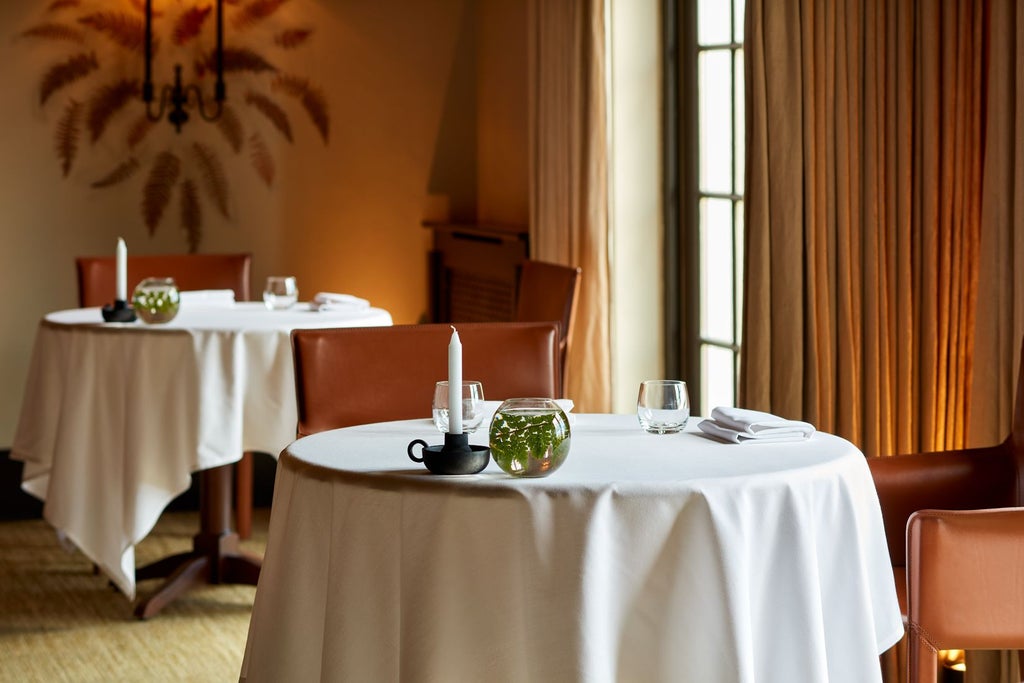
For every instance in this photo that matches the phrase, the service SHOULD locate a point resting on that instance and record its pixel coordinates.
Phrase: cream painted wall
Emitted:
(401, 77)
(637, 279)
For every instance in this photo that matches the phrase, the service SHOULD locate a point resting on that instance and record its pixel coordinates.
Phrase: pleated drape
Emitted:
(1000, 326)
(865, 148)
(568, 177)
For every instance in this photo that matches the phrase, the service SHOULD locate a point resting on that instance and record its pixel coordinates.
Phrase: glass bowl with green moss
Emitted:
(156, 300)
(529, 437)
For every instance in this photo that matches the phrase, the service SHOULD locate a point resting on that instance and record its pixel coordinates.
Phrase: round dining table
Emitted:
(117, 416)
(643, 558)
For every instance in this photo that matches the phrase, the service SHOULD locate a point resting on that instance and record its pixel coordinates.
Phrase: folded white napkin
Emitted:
(326, 301)
(207, 297)
(739, 425)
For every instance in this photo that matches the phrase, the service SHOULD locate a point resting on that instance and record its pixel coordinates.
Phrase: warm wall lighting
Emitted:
(178, 95)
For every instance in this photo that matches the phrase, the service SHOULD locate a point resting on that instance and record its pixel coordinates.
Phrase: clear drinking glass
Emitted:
(472, 406)
(663, 406)
(280, 293)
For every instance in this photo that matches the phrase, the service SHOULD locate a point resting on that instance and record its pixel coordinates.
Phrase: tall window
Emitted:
(704, 60)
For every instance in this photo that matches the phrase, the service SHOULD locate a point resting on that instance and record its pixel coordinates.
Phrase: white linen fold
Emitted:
(333, 301)
(207, 297)
(740, 425)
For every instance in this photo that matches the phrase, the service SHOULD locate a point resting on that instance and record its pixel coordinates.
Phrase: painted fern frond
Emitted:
(215, 180)
(127, 31)
(54, 31)
(138, 131)
(292, 38)
(157, 192)
(238, 59)
(107, 101)
(254, 12)
(261, 160)
(65, 73)
(190, 24)
(231, 127)
(120, 173)
(270, 109)
(191, 214)
(312, 99)
(68, 130)
(62, 4)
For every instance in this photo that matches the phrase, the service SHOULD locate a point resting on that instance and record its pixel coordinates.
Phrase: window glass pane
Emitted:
(716, 127)
(713, 25)
(716, 295)
(739, 272)
(737, 12)
(718, 378)
(738, 125)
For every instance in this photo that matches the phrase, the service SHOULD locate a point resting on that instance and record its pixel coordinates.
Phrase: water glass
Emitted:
(472, 406)
(280, 293)
(663, 406)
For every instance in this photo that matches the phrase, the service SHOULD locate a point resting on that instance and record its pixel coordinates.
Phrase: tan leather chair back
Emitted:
(350, 376)
(965, 585)
(548, 291)
(96, 274)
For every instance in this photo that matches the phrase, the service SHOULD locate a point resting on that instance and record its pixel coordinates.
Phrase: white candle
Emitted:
(455, 384)
(121, 283)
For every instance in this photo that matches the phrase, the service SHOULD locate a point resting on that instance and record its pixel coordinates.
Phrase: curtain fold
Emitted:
(864, 139)
(568, 177)
(1000, 314)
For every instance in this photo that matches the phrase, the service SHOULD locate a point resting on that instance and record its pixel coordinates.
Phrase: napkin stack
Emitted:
(331, 301)
(207, 297)
(738, 425)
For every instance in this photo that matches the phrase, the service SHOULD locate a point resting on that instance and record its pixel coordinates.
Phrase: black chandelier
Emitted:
(178, 95)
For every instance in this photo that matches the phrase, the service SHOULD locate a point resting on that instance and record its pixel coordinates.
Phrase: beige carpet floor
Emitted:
(61, 622)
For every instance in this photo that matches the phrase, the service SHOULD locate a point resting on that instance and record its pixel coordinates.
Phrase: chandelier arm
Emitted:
(201, 104)
(165, 93)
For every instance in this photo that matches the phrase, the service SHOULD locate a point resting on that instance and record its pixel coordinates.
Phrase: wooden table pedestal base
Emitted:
(215, 556)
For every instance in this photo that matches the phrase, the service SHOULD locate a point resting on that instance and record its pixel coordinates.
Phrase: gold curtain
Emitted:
(1001, 283)
(864, 143)
(568, 177)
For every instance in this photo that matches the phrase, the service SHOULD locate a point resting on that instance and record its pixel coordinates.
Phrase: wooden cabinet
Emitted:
(474, 271)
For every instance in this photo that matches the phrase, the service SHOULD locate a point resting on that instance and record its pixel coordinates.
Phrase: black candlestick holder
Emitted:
(456, 456)
(120, 312)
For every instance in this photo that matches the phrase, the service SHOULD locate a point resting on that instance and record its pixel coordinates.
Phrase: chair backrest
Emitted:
(548, 291)
(965, 587)
(359, 375)
(96, 274)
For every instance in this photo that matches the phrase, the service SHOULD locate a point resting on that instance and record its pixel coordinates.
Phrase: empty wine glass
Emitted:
(280, 293)
(472, 406)
(663, 406)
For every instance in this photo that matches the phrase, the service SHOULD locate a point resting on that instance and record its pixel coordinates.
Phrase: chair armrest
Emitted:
(951, 480)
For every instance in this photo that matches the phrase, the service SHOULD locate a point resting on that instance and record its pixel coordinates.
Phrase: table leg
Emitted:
(215, 556)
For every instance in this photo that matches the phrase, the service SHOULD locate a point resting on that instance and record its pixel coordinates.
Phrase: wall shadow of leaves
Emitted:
(95, 101)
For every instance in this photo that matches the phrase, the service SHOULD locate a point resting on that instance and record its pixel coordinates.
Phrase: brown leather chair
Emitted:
(964, 479)
(190, 271)
(359, 375)
(548, 291)
(965, 586)
(96, 275)
(967, 479)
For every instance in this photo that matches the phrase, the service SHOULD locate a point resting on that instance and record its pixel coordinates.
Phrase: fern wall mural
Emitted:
(91, 92)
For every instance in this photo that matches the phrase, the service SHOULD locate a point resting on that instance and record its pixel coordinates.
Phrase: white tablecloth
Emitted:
(116, 417)
(644, 558)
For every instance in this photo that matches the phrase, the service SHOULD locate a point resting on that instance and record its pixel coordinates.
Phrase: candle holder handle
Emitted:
(456, 456)
(119, 312)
